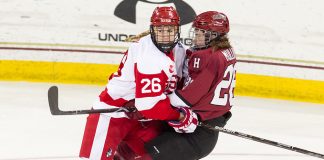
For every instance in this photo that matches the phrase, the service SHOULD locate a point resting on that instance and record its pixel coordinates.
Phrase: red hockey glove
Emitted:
(188, 124)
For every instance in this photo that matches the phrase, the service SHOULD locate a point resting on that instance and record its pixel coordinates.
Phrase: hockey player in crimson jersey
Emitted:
(208, 91)
(149, 70)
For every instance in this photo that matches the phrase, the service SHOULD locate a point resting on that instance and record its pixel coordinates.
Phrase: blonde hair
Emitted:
(220, 43)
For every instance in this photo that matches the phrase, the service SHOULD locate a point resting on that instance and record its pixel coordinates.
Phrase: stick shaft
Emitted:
(265, 141)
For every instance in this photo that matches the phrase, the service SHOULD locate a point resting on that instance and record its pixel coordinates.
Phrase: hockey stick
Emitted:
(262, 140)
(54, 108)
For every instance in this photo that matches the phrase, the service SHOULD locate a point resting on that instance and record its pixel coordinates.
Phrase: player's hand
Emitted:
(132, 112)
(188, 123)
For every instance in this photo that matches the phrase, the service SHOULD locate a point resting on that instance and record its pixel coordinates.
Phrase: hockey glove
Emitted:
(132, 112)
(188, 124)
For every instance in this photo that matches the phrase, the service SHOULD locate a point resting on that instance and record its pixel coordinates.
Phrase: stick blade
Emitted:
(53, 100)
(55, 110)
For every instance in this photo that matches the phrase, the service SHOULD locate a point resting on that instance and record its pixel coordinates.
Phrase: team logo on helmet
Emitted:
(165, 20)
(219, 17)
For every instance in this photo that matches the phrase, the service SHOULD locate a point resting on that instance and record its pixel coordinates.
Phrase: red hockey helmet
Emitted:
(212, 21)
(165, 28)
(207, 27)
(165, 16)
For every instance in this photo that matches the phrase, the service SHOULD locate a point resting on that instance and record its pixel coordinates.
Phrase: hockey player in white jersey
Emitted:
(149, 70)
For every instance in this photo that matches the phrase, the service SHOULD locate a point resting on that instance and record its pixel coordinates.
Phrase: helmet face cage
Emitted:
(164, 29)
(201, 38)
(165, 37)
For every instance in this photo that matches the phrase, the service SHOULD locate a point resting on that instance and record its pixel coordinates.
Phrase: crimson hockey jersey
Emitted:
(145, 74)
(210, 85)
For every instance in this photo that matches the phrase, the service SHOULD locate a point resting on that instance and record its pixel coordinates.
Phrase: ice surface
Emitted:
(29, 132)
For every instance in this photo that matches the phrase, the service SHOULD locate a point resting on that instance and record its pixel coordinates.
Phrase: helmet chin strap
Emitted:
(166, 48)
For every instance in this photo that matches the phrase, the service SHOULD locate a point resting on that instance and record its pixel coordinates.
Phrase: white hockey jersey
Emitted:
(145, 74)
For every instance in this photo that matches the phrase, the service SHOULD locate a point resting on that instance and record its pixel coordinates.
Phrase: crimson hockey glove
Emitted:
(189, 122)
(132, 113)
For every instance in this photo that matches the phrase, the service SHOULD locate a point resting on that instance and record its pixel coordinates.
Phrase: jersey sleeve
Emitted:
(121, 86)
(197, 87)
(121, 83)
